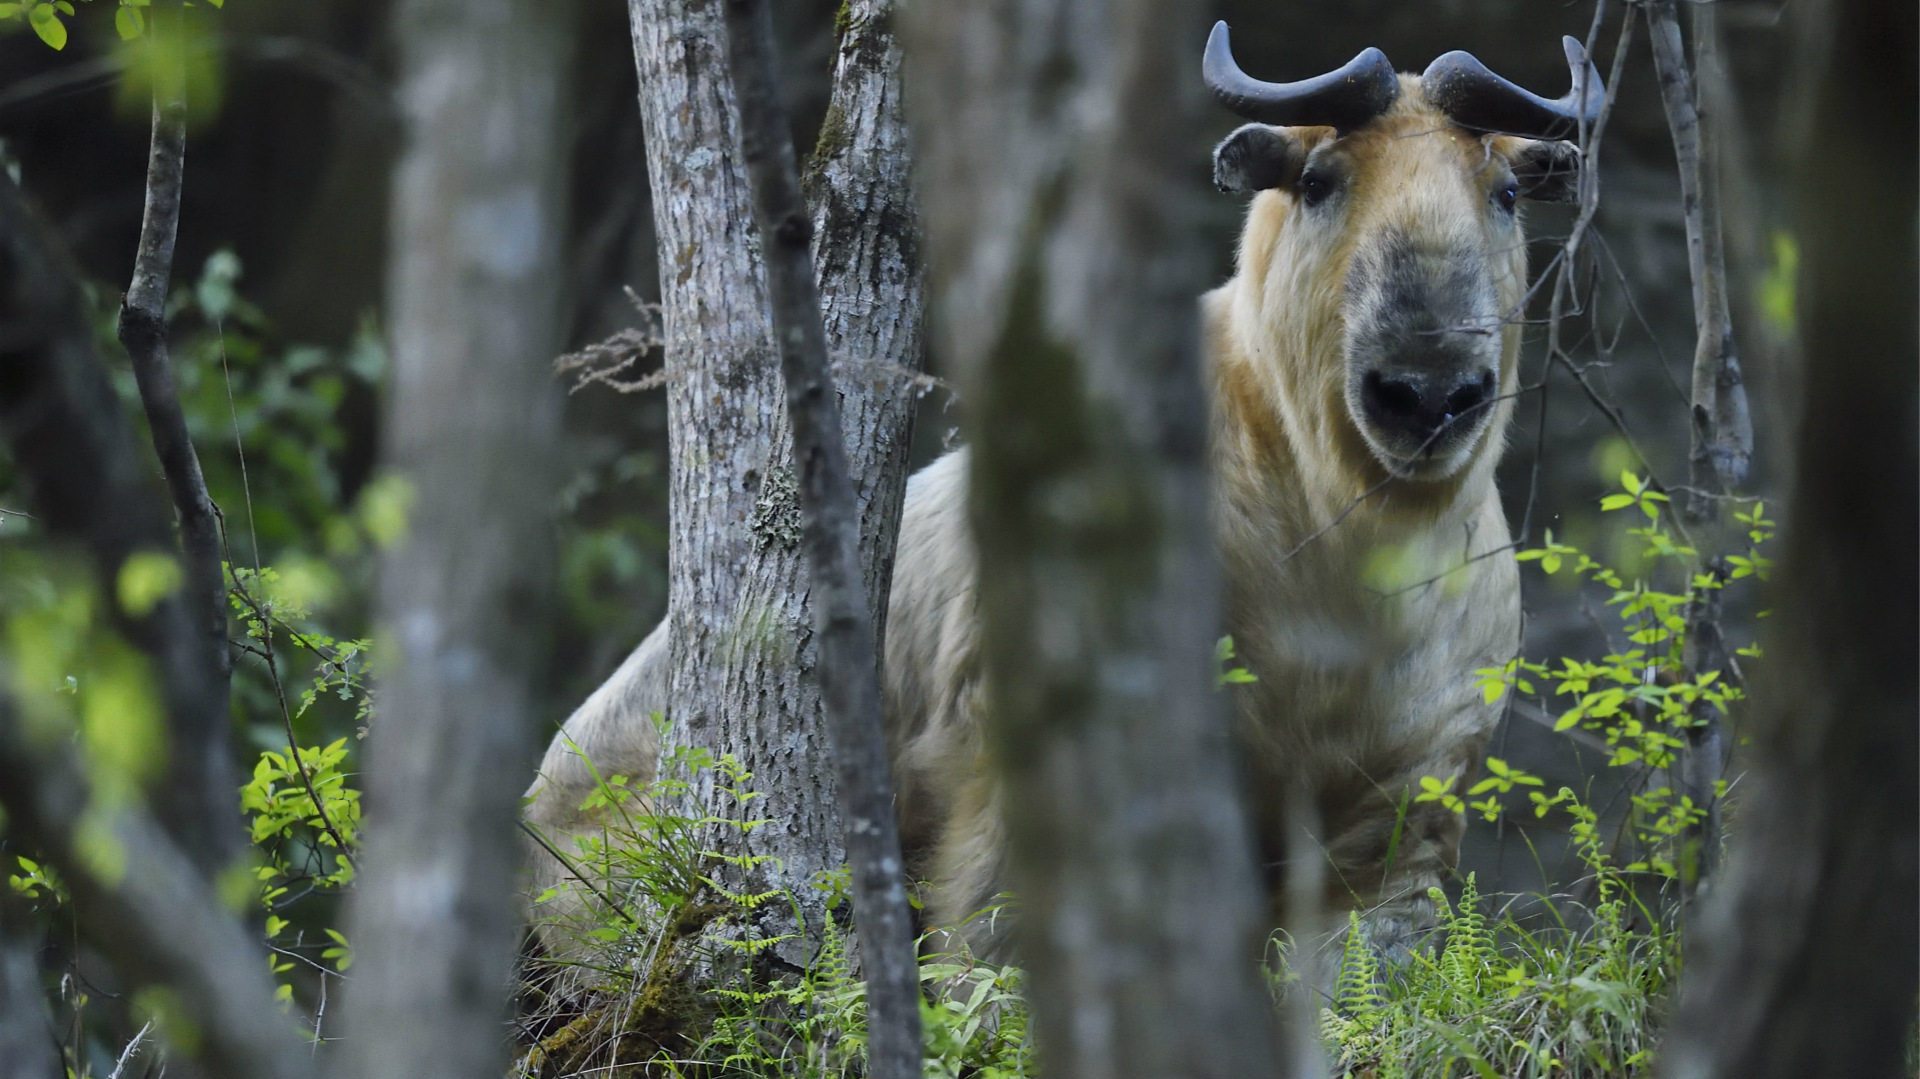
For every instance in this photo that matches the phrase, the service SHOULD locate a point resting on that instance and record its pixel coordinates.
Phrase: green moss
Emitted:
(842, 22)
(835, 136)
(665, 1015)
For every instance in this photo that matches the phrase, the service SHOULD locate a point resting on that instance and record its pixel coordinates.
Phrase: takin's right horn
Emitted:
(1344, 99)
(1476, 98)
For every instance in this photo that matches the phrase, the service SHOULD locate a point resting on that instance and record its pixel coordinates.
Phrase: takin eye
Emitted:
(1507, 196)
(1315, 186)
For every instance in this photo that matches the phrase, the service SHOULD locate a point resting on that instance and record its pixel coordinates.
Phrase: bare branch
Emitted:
(603, 361)
(203, 781)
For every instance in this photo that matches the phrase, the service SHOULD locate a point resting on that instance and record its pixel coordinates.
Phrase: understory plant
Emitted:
(1489, 996)
(613, 994)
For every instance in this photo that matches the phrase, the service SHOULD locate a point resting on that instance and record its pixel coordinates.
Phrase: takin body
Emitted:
(1363, 361)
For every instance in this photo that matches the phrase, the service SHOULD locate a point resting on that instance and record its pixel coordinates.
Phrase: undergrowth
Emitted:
(1491, 997)
(1485, 995)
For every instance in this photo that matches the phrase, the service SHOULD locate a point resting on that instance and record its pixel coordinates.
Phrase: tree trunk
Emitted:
(1803, 963)
(1720, 441)
(475, 281)
(742, 651)
(849, 670)
(1062, 220)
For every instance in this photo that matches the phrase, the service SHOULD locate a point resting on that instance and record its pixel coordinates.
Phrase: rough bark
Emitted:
(848, 660)
(866, 256)
(1061, 224)
(742, 648)
(475, 281)
(737, 621)
(197, 801)
(1804, 962)
(144, 903)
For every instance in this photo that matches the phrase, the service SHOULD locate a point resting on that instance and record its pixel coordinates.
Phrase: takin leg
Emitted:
(611, 733)
(1383, 859)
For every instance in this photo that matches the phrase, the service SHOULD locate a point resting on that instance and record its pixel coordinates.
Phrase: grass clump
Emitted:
(1580, 997)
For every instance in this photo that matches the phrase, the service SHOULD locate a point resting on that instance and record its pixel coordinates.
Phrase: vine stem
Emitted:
(293, 743)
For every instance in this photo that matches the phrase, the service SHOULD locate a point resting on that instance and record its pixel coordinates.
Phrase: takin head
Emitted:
(1383, 253)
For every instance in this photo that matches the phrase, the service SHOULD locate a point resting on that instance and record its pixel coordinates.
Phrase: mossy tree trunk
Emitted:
(742, 653)
(1063, 172)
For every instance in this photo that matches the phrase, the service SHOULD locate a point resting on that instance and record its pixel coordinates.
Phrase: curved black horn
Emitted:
(1474, 97)
(1343, 99)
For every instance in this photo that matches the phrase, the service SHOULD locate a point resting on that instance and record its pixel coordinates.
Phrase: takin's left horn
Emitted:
(1473, 97)
(1342, 99)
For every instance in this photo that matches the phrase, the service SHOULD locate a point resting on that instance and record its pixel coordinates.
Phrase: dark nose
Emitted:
(1419, 405)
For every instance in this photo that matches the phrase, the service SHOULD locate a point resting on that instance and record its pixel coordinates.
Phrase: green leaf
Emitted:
(9, 11)
(48, 26)
(1614, 502)
(128, 22)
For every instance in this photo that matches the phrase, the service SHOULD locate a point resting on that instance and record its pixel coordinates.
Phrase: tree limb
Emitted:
(27, 1040)
(1722, 429)
(847, 667)
(204, 779)
(89, 483)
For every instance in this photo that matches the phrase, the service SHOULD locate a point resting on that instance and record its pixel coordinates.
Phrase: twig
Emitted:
(602, 361)
(132, 1047)
(574, 872)
(265, 616)
(847, 668)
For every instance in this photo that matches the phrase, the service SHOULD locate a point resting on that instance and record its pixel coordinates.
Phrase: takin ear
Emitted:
(1257, 157)
(1548, 170)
